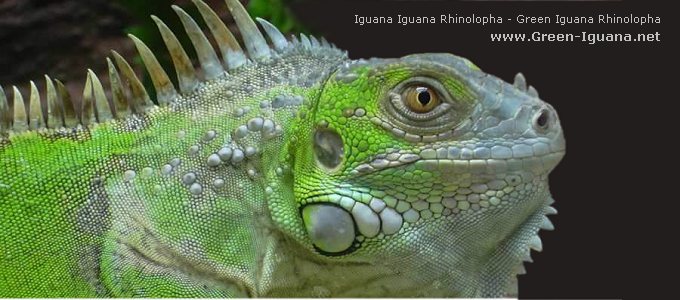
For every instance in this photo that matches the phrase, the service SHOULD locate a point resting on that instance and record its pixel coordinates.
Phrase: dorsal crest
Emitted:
(126, 95)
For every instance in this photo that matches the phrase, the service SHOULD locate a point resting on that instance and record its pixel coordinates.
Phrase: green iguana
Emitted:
(282, 169)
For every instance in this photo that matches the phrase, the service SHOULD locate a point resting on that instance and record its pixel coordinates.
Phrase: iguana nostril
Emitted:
(330, 228)
(542, 120)
(328, 148)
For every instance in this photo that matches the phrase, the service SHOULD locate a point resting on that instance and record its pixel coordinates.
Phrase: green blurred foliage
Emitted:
(278, 13)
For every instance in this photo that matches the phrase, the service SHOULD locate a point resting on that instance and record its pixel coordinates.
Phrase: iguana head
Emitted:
(429, 166)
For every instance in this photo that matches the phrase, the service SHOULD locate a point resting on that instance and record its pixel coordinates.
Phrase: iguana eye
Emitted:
(423, 105)
(420, 99)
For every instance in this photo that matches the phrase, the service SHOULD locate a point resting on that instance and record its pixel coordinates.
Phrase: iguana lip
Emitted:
(539, 154)
(538, 164)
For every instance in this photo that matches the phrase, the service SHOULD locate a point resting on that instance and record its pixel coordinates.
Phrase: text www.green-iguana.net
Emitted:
(590, 38)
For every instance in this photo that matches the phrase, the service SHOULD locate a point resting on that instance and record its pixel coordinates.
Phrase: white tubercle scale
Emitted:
(391, 221)
(366, 219)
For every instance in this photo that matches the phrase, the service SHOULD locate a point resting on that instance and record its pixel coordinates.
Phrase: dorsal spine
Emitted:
(126, 95)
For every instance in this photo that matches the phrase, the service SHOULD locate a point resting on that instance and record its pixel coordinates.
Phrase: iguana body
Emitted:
(279, 171)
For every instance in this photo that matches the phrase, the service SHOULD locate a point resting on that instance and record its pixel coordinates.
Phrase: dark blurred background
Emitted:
(59, 37)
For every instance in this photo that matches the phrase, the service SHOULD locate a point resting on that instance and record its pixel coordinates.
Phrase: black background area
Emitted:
(616, 104)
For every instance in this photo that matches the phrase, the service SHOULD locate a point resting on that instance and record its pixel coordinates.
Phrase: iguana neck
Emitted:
(217, 153)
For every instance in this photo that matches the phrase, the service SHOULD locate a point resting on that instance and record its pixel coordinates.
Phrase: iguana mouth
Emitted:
(538, 157)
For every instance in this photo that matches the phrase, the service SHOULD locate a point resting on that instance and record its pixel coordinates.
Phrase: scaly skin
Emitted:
(340, 189)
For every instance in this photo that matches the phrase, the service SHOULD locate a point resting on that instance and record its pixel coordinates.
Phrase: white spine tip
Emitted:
(546, 224)
(535, 243)
(278, 40)
(520, 82)
(550, 210)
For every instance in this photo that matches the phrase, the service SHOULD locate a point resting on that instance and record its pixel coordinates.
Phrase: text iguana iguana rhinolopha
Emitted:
(281, 169)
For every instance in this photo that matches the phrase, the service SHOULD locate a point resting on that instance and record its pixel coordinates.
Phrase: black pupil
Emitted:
(423, 96)
(542, 120)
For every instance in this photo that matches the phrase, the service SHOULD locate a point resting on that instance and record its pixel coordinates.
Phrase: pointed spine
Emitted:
(55, 104)
(186, 75)
(140, 97)
(117, 94)
(88, 104)
(71, 107)
(305, 41)
(100, 99)
(278, 40)
(325, 43)
(550, 210)
(206, 54)
(550, 201)
(36, 104)
(252, 37)
(44, 106)
(231, 51)
(315, 41)
(18, 103)
(165, 90)
(532, 91)
(520, 82)
(535, 243)
(546, 224)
